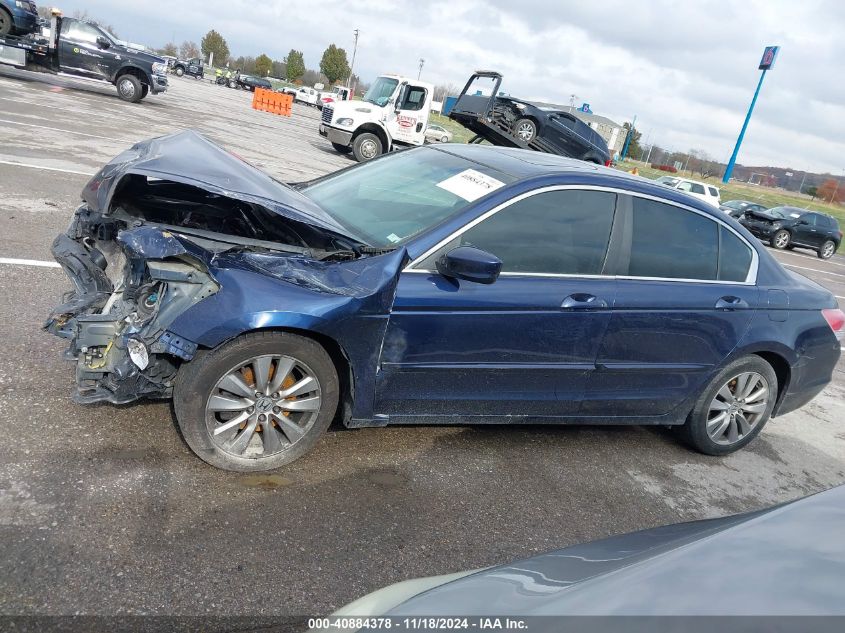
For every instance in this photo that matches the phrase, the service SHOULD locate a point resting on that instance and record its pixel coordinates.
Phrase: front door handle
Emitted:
(583, 301)
(731, 303)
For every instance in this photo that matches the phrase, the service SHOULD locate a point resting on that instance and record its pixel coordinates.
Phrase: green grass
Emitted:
(769, 196)
(459, 133)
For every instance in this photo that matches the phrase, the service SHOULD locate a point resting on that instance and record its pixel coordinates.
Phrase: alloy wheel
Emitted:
(263, 406)
(827, 250)
(737, 408)
(782, 239)
(525, 131)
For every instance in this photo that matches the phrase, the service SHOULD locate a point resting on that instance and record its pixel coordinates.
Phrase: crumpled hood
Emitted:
(191, 159)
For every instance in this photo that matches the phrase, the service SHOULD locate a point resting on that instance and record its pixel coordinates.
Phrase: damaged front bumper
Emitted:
(128, 287)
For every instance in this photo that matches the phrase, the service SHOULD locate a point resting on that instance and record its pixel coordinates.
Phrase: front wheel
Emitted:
(343, 149)
(827, 250)
(258, 402)
(129, 88)
(445, 139)
(180, 71)
(734, 407)
(525, 129)
(780, 240)
(366, 146)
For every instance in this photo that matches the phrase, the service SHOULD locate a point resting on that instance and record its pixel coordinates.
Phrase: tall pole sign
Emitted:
(769, 55)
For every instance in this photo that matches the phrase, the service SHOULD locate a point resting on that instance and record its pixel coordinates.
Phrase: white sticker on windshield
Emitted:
(795, 215)
(470, 184)
(394, 238)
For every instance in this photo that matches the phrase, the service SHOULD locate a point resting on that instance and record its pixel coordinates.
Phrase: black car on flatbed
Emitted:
(510, 122)
(81, 48)
(791, 227)
(248, 82)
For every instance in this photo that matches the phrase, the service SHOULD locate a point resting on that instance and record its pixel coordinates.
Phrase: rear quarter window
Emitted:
(714, 192)
(734, 256)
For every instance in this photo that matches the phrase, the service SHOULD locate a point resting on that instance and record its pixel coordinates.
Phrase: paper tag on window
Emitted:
(394, 238)
(470, 184)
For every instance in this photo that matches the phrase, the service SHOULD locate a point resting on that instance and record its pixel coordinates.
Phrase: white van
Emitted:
(700, 190)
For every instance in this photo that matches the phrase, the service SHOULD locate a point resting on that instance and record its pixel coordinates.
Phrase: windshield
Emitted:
(388, 201)
(379, 93)
(668, 181)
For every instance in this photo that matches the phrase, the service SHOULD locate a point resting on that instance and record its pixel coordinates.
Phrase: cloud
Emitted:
(686, 69)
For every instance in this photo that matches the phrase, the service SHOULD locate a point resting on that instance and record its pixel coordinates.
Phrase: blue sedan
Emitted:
(457, 284)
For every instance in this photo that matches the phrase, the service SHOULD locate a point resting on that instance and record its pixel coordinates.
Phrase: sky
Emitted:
(686, 69)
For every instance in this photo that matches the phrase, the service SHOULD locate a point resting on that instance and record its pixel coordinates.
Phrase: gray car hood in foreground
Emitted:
(788, 560)
(192, 159)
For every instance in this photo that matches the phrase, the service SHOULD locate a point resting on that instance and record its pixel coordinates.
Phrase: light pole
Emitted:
(352, 65)
(766, 63)
(422, 63)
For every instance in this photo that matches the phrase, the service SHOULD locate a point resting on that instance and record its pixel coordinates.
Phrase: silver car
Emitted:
(437, 134)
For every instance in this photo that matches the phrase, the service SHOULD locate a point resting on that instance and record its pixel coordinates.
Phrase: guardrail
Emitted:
(272, 102)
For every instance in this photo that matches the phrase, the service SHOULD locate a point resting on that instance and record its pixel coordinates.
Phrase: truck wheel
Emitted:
(366, 147)
(180, 71)
(5, 22)
(145, 90)
(343, 149)
(129, 88)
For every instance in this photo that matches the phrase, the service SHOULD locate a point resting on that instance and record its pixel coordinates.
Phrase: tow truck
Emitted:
(83, 49)
(393, 114)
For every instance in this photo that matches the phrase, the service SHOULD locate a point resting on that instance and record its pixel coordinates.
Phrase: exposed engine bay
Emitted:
(141, 250)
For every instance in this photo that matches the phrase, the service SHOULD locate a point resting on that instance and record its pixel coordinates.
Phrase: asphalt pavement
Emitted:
(104, 510)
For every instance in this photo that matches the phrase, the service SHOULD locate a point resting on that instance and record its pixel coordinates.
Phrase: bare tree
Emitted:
(189, 50)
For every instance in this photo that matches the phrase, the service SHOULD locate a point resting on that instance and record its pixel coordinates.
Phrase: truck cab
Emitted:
(191, 67)
(393, 113)
(337, 93)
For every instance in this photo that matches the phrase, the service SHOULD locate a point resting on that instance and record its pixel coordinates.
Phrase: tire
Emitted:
(525, 129)
(445, 139)
(827, 250)
(343, 149)
(180, 71)
(754, 414)
(145, 90)
(366, 146)
(198, 391)
(129, 88)
(7, 26)
(780, 240)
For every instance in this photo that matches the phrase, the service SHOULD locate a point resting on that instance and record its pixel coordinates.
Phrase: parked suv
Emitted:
(790, 227)
(700, 190)
(568, 134)
(18, 17)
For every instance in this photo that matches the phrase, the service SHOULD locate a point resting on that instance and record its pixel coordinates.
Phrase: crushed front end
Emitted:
(130, 283)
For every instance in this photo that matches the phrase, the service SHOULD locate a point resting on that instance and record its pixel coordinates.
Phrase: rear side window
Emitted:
(734, 257)
(696, 188)
(823, 221)
(557, 232)
(673, 243)
(714, 192)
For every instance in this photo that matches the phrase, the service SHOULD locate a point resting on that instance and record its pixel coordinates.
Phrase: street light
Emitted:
(422, 63)
(352, 65)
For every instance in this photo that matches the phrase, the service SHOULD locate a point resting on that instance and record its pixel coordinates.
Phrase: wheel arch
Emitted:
(374, 129)
(135, 71)
(782, 370)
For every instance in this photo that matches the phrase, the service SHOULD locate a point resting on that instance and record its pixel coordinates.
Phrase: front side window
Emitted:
(414, 98)
(670, 242)
(562, 232)
(81, 32)
(696, 188)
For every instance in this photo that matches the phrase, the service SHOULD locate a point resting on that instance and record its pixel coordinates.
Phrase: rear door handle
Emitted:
(583, 301)
(731, 303)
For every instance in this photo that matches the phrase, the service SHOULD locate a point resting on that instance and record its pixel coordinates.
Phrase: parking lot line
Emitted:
(58, 129)
(31, 166)
(815, 270)
(28, 262)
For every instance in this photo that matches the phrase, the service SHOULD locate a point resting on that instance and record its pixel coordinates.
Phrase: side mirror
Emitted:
(103, 42)
(470, 264)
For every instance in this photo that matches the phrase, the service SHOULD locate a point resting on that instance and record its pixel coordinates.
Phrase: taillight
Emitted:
(608, 162)
(836, 320)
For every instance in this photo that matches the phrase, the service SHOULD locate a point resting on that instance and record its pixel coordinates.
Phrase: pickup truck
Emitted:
(83, 49)
(192, 67)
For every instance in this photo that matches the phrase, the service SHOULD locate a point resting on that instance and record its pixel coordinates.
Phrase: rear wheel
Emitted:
(366, 146)
(180, 71)
(445, 139)
(525, 129)
(733, 408)
(827, 250)
(781, 239)
(258, 402)
(343, 149)
(6, 23)
(129, 88)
